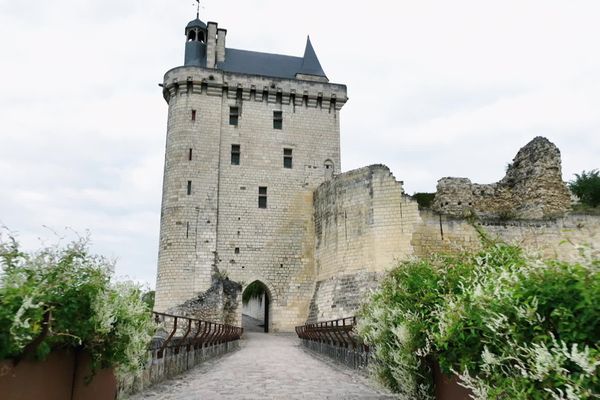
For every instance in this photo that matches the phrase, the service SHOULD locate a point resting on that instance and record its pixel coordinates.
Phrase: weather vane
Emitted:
(198, 9)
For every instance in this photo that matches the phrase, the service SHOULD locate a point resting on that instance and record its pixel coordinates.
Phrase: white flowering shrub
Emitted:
(510, 326)
(109, 320)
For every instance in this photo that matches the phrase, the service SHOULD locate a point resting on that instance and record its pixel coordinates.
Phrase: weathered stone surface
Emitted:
(219, 303)
(532, 189)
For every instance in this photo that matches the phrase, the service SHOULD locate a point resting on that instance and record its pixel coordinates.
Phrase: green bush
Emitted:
(587, 187)
(510, 326)
(424, 200)
(109, 320)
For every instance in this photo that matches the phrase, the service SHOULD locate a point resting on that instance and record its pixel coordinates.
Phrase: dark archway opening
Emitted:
(256, 303)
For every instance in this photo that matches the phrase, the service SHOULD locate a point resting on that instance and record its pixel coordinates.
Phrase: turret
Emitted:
(196, 33)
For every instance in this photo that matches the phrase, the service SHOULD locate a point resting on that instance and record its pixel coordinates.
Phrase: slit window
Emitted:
(190, 155)
(235, 154)
(234, 115)
(262, 197)
(189, 188)
(277, 119)
(287, 158)
(193, 115)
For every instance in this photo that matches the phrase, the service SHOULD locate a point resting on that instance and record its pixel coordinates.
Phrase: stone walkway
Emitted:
(266, 367)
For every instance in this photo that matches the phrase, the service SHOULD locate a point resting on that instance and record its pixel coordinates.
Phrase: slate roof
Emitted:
(195, 23)
(275, 65)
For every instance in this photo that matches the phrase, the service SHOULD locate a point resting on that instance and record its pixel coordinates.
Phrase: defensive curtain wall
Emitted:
(361, 224)
(365, 224)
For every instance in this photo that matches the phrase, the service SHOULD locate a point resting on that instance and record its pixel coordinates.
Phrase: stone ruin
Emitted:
(531, 189)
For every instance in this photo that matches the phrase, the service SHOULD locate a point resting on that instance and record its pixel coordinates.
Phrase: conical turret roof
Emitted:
(311, 64)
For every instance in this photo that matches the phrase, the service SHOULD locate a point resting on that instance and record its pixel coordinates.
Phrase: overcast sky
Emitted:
(437, 88)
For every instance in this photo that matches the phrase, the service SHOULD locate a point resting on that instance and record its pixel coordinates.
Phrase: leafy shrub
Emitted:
(424, 200)
(109, 320)
(587, 187)
(397, 320)
(510, 326)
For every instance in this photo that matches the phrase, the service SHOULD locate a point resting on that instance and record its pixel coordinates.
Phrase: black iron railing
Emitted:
(338, 332)
(191, 333)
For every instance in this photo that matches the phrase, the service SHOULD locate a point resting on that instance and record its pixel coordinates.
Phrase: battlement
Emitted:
(214, 82)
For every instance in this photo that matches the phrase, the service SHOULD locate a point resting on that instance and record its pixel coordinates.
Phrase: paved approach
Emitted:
(266, 367)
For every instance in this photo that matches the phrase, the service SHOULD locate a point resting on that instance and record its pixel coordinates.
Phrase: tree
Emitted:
(587, 187)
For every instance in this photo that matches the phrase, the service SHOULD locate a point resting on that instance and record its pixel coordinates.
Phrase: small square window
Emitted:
(234, 114)
(277, 119)
(193, 115)
(235, 154)
(236, 250)
(262, 197)
(287, 158)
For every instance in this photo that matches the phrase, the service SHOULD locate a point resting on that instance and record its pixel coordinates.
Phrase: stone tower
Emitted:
(249, 137)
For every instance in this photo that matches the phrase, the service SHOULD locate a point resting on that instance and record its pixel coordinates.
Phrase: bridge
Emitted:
(267, 366)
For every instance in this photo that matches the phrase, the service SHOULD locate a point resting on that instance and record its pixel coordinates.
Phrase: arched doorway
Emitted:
(256, 302)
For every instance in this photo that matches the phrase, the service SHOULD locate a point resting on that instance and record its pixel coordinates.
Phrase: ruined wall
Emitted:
(532, 189)
(220, 303)
(557, 238)
(363, 223)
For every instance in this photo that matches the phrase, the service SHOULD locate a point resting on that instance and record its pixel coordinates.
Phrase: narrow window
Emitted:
(287, 158)
(193, 115)
(234, 113)
(187, 230)
(235, 154)
(190, 155)
(277, 119)
(189, 188)
(262, 197)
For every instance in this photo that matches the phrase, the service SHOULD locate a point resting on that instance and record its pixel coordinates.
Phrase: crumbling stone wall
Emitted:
(217, 304)
(532, 189)
(363, 223)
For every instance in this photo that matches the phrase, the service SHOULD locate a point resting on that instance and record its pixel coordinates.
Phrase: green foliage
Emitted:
(148, 298)
(510, 326)
(254, 290)
(587, 187)
(424, 200)
(87, 311)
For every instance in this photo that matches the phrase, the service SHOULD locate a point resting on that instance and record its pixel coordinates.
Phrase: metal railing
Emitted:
(191, 333)
(338, 332)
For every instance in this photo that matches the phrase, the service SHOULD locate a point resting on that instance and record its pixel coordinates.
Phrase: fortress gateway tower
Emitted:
(249, 138)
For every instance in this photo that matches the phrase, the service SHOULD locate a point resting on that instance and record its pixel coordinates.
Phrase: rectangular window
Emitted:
(236, 250)
(262, 197)
(287, 158)
(189, 188)
(235, 154)
(234, 114)
(277, 119)
(193, 115)
(190, 155)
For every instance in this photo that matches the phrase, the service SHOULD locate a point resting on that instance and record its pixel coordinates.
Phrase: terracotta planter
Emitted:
(447, 387)
(60, 377)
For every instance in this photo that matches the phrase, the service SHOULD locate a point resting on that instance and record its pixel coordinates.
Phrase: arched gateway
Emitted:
(256, 307)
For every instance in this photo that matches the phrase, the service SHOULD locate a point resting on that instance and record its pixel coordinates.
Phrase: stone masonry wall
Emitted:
(219, 229)
(559, 238)
(532, 189)
(363, 224)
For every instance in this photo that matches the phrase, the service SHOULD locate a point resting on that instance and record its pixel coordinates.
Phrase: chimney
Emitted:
(221, 35)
